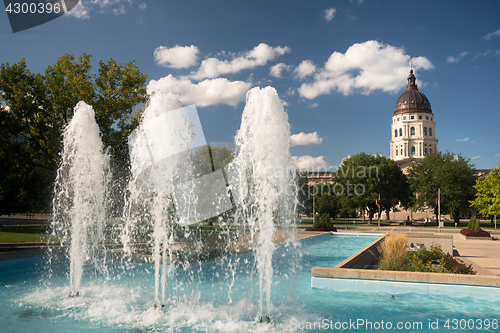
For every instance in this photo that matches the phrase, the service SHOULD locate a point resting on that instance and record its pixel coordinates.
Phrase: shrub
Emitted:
(450, 265)
(393, 255)
(325, 220)
(472, 233)
(472, 223)
(316, 222)
(477, 226)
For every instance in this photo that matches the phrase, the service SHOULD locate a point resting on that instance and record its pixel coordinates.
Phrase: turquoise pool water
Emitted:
(220, 296)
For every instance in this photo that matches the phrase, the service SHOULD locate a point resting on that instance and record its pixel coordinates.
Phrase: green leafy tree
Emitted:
(453, 174)
(29, 140)
(362, 177)
(36, 108)
(488, 193)
(328, 204)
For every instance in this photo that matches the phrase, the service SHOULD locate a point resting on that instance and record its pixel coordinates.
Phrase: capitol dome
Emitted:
(412, 100)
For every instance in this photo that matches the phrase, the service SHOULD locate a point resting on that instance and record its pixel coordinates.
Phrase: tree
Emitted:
(328, 204)
(37, 108)
(29, 140)
(362, 177)
(453, 174)
(488, 193)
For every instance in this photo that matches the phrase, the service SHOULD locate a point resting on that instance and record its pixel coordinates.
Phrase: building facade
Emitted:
(413, 129)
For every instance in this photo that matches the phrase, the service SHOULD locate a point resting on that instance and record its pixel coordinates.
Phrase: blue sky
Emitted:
(339, 66)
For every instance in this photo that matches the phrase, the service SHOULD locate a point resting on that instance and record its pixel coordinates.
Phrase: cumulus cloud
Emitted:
(84, 7)
(304, 139)
(258, 56)
(489, 35)
(309, 163)
(452, 59)
(304, 69)
(475, 157)
(463, 140)
(278, 69)
(204, 93)
(177, 56)
(329, 14)
(364, 67)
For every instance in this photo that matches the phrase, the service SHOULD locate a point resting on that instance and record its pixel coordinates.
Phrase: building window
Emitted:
(431, 118)
(413, 150)
(395, 133)
(412, 131)
(430, 150)
(419, 117)
(401, 151)
(427, 118)
(398, 119)
(430, 131)
(425, 151)
(425, 130)
(396, 152)
(404, 118)
(412, 117)
(400, 132)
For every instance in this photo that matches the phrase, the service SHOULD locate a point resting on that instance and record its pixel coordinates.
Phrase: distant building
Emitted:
(318, 177)
(413, 129)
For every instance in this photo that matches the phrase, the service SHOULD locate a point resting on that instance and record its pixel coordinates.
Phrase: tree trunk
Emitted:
(387, 211)
(370, 216)
(456, 217)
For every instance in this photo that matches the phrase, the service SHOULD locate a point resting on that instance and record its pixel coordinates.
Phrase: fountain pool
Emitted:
(219, 296)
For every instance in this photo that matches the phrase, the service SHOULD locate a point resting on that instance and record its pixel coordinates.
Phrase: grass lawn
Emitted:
(24, 233)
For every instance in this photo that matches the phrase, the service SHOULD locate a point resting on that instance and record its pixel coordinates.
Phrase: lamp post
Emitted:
(439, 209)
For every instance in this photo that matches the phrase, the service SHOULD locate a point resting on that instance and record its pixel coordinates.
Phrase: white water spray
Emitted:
(79, 197)
(263, 143)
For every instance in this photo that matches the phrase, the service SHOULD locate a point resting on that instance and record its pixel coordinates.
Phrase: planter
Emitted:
(477, 238)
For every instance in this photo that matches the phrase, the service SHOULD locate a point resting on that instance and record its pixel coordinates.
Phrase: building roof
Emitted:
(412, 100)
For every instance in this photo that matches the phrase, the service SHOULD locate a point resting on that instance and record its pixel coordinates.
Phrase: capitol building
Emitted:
(413, 129)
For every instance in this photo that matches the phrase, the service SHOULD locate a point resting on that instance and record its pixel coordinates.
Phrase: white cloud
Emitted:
(258, 56)
(309, 163)
(84, 7)
(463, 140)
(489, 35)
(80, 11)
(490, 53)
(278, 69)
(204, 93)
(452, 59)
(475, 157)
(177, 56)
(304, 139)
(364, 67)
(304, 69)
(329, 14)
(497, 155)
(313, 105)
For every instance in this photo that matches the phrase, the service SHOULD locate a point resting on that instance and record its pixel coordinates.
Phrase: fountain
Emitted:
(80, 190)
(163, 152)
(176, 274)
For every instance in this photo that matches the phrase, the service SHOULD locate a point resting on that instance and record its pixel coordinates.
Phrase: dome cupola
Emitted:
(412, 100)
